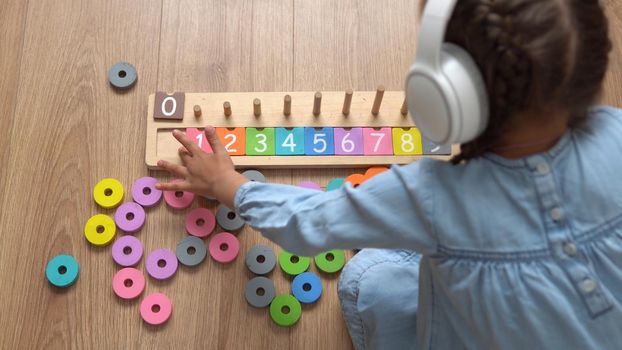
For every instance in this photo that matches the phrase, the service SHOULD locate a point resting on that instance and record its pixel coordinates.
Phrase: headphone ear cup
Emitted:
(469, 90)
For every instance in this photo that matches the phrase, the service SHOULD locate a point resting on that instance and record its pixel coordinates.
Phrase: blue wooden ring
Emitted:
(307, 287)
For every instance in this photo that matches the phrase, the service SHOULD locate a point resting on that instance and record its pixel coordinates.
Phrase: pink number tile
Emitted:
(349, 141)
(198, 137)
(377, 141)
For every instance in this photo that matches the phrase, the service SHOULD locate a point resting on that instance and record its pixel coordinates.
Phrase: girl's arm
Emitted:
(392, 210)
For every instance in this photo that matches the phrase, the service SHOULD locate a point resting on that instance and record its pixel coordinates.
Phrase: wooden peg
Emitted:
(375, 109)
(227, 107)
(257, 107)
(347, 102)
(404, 109)
(317, 103)
(197, 111)
(287, 105)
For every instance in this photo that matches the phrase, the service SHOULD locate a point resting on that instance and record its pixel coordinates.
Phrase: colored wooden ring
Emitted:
(191, 251)
(130, 217)
(127, 251)
(293, 264)
(228, 219)
(100, 230)
(335, 184)
(122, 75)
(259, 292)
(331, 261)
(224, 247)
(285, 310)
(178, 199)
(108, 193)
(373, 171)
(310, 185)
(261, 259)
(254, 175)
(62, 271)
(145, 193)
(128, 283)
(355, 179)
(200, 222)
(156, 309)
(161, 264)
(307, 287)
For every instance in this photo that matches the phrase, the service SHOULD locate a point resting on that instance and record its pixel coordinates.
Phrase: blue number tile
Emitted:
(319, 142)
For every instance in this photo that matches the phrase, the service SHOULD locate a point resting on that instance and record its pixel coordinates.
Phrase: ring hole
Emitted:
(155, 308)
(127, 250)
(128, 283)
(330, 257)
(161, 263)
(191, 250)
(260, 259)
(231, 215)
(306, 287)
(285, 310)
(107, 192)
(147, 191)
(224, 247)
(129, 216)
(122, 74)
(294, 259)
(260, 291)
(200, 222)
(62, 269)
(100, 229)
(179, 194)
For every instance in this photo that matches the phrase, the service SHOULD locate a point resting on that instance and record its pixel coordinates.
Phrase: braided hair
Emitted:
(533, 55)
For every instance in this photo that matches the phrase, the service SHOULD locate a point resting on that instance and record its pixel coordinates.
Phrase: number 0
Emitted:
(173, 109)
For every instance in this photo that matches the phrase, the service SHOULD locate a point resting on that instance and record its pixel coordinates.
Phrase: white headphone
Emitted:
(445, 90)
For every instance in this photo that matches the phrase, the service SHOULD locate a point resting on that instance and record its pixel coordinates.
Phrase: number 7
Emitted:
(380, 136)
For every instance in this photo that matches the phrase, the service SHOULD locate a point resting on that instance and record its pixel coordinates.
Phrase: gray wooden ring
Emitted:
(122, 75)
(228, 219)
(260, 259)
(189, 243)
(252, 293)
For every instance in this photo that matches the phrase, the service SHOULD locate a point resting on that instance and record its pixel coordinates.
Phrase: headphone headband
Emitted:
(436, 15)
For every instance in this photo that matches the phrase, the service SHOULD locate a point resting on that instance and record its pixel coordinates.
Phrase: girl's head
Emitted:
(536, 56)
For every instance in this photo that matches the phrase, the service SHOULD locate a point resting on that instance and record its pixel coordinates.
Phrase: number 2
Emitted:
(233, 139)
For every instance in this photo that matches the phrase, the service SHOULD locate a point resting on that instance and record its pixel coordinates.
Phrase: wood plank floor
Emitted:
(62, 128)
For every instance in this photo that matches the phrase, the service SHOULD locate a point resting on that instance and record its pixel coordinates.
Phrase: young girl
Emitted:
(518, 241)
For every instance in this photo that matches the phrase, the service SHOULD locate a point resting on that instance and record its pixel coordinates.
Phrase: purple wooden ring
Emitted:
(161, 264)
(310, 185)
(145, 193)
(127, 251)
(130, 217)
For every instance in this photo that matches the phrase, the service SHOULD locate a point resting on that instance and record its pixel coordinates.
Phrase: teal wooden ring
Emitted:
(62, 271)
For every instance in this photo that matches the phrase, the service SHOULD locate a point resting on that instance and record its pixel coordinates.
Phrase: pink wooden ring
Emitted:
(128, 283)
(200, 222)
(156, 308)
(130, 217)
(224, 247)
(178, 199)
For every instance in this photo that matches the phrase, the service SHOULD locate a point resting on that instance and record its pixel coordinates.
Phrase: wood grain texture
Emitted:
(62, 128)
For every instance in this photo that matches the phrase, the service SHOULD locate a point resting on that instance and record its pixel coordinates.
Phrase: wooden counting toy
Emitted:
(291, 130)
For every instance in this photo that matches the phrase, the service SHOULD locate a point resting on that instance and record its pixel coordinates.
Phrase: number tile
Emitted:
(407, 142)
(348, 141)
(377, 141)
(169, 106)
(198, 136)
(234, 140)
(260, 141)
(319, 142)
(290, 141)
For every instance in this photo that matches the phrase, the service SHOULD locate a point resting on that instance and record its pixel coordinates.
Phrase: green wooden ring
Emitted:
(325, 263)
(335, 184)
(299, 264)
(285, 319)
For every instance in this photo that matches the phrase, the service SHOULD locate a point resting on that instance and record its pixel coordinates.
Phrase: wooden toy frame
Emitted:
(162, 145)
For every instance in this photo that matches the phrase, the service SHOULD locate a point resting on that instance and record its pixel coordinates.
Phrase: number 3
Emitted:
(262, 142)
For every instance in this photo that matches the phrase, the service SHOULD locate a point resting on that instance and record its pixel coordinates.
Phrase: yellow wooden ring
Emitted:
(100, 230)
(108, 193)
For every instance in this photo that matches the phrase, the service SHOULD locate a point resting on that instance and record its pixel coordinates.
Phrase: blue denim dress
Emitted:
(510, 254)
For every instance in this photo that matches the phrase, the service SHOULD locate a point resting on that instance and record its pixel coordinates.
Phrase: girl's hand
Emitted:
(206, 174)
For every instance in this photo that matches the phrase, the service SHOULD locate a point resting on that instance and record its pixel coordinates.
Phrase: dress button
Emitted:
(557, 214)
(588, 285)
(543, 168)
(570, 248)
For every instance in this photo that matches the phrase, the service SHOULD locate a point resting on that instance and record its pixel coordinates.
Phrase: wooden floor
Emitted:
(62, 128)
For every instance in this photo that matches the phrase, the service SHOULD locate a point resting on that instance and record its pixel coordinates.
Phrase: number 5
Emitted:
(317, 139)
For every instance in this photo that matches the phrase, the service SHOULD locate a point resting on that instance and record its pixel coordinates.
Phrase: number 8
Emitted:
(407, 140)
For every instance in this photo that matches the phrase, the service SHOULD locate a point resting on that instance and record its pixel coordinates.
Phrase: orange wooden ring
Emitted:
(355, 179)
(373, 171)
